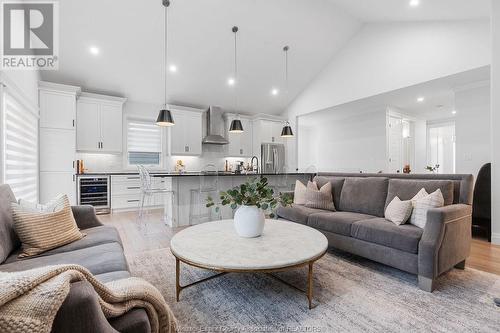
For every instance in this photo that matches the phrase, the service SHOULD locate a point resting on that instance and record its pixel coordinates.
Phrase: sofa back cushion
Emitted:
(8, 238)
(337, 183)
(406, 189)
(364, 195)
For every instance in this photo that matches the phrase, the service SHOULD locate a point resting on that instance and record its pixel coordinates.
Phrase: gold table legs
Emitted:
(308, 292)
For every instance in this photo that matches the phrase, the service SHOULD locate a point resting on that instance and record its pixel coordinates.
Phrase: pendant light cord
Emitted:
(286, 48)
(165, 66)
(235, 31)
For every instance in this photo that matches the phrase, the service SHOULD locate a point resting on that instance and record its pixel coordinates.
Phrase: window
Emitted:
(19, 147)
(143, 143)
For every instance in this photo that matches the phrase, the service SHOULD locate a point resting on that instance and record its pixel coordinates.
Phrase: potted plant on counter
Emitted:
(251, 200)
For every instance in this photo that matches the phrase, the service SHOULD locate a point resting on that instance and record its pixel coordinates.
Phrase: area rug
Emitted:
(352, 294)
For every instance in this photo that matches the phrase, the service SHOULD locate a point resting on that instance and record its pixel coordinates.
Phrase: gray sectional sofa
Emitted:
(100, 251)
(359, 226)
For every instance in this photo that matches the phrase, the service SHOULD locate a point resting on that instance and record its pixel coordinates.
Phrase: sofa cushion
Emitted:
(336, 222)
(95, 236)
(8, 238)
(296, 213)
(364, 195)
(405, 189)
(112, 276)
(337, 183)
(405, 237)
(97, 259)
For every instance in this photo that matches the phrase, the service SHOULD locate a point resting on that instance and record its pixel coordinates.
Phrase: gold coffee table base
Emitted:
(221, 271)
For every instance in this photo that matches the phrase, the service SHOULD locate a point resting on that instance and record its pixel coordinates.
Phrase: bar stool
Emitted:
(281, 184)
(147, 192)
(208, 186)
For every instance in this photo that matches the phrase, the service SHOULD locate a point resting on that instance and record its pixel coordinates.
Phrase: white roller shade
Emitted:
(144, 137)
(19, 148)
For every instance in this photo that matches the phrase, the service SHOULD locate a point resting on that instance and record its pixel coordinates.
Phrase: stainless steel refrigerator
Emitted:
(272, 157)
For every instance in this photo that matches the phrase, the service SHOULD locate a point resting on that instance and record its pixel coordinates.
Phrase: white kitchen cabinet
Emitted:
(240, 144)
(55, 183)
(186, 134)
(111, 128)
(57, 105)
(99, 123)
(266, 129)
(88, 135)
(57, 150)
(126, 192)
(57, 109)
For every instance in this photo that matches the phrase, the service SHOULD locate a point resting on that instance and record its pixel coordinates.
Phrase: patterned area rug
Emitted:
(351, 294)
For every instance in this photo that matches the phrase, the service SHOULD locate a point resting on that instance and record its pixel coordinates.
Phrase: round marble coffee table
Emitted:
(216, 246)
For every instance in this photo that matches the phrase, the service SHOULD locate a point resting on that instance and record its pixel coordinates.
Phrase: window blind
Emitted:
(143, 142)
(20, 148)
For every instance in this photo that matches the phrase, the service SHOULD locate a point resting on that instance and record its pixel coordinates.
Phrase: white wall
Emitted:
(495, 124)
(334, 141)
(472, 128)
(387, 56)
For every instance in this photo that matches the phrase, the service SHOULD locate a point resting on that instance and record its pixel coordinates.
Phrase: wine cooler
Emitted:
(95, 191)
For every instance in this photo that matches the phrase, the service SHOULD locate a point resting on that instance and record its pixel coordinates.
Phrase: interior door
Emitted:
(395, 137)
(111, 128)
(87, 131)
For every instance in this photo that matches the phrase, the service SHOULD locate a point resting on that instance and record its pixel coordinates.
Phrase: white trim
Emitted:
(59, 88)
(262, 116)
(230, 115)
(185, 108)
(495, 238)
(18, 94)
(102, 98)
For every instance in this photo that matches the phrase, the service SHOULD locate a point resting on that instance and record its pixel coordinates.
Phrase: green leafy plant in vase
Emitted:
(251, 200)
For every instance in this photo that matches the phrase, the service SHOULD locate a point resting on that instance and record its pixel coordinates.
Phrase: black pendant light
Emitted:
(165, 116)
(236, 126)
(286, 132)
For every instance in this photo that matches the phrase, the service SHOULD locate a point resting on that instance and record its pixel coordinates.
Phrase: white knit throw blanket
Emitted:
(29, 300)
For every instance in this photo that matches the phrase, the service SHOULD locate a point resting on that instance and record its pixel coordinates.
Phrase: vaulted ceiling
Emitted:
(129, 36)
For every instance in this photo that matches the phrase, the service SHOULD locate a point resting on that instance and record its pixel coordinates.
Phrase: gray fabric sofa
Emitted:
(359, 226)
(100, 251)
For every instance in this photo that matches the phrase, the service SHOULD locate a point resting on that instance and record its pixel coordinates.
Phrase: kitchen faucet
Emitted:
(257, 166)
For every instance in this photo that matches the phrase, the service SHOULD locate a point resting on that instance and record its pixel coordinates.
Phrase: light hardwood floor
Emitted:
(140, 237)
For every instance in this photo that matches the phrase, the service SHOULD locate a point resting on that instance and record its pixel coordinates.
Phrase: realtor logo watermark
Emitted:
(30, 35)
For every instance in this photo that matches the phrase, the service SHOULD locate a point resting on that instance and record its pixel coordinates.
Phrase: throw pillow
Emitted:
(299, 195)
(320, 199)
(53, 205)
(398, 212)
(433, 200)
(43, 231)
(421, 194)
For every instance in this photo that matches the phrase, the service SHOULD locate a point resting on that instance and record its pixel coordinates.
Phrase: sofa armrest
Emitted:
(446, 239)
(85, 217)
(81, 312)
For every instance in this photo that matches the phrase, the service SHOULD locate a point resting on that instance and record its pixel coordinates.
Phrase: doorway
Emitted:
(441, 148)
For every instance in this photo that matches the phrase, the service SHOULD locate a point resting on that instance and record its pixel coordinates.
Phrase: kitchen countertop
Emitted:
(191, 174)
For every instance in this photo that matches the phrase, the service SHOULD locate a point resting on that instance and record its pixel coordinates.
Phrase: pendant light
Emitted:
(236, 126)
(286, 132)
(165, 116)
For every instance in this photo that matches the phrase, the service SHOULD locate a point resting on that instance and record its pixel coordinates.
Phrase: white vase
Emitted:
(249, 221)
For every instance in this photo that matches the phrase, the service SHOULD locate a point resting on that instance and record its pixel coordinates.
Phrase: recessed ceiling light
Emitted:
(172, 68)
(414, 3)
(420, 99)
(94, 50)
(454, 112)
(275, 92)
(231, 81)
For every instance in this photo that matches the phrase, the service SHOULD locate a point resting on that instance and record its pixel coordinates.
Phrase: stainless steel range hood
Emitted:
(215, 127)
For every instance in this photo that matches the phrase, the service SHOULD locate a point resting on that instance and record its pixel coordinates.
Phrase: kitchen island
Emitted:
(187, 206)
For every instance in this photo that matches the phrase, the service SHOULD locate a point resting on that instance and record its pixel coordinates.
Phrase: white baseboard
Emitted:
(495, 238)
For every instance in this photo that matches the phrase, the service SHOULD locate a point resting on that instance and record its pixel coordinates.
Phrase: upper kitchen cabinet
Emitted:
(186, 134)
(240, 144)
(99, 123)
(57, 105)
(266, 129)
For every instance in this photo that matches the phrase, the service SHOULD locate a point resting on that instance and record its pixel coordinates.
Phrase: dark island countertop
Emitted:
(192, 174)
